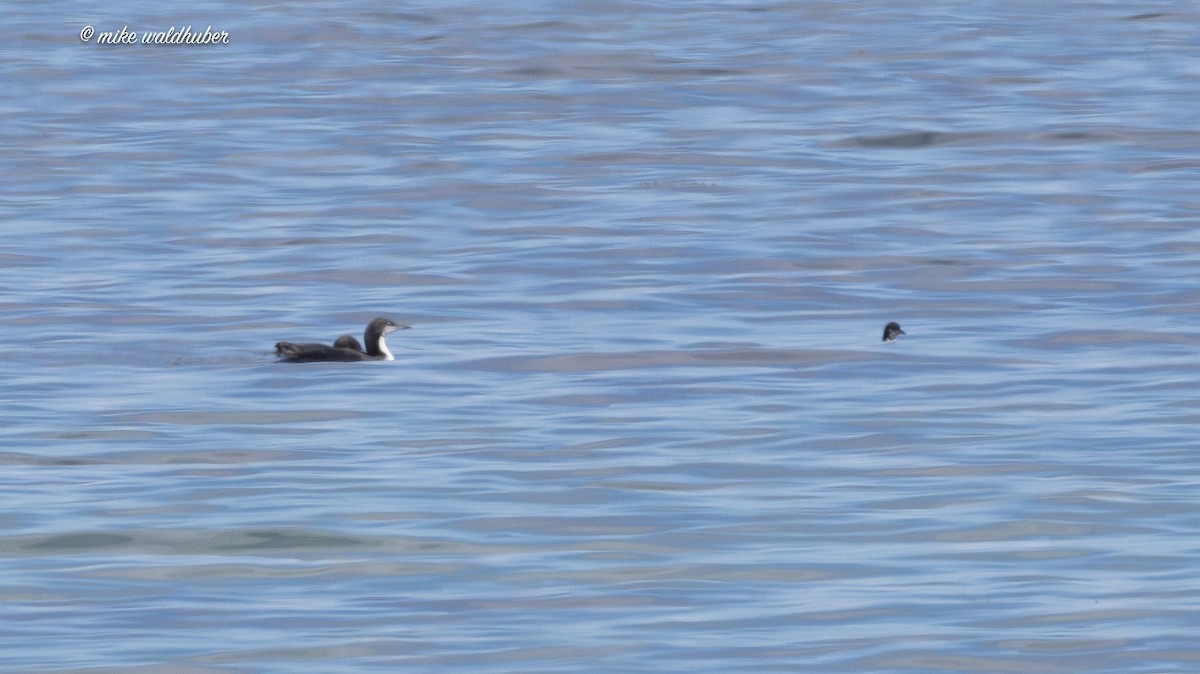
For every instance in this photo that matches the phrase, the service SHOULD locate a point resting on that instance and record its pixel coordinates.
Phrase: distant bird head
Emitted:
(891, 331)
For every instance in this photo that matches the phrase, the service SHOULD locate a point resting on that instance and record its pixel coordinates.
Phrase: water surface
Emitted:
(644, 420)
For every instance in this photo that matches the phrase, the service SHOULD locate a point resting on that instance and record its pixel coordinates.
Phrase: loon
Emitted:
(346, 348)
(891, 331)
(348, 342)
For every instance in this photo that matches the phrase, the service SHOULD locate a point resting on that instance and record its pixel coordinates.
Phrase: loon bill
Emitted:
(891, 331)
(346, 348)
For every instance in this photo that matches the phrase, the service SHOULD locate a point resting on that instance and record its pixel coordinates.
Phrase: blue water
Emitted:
(644, 421)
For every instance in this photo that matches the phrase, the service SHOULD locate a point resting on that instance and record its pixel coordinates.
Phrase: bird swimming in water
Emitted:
(348, 342)
(891, 331)
(346, 348)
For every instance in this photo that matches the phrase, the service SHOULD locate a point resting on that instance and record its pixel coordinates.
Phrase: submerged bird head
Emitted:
(891, 331)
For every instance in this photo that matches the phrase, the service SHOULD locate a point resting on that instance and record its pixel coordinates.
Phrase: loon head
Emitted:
(891, 331)
(376, 331)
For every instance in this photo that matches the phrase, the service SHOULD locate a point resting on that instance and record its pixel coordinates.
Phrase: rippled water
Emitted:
(644, 420)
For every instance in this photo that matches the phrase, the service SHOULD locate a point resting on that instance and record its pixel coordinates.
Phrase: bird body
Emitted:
(346, 348)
